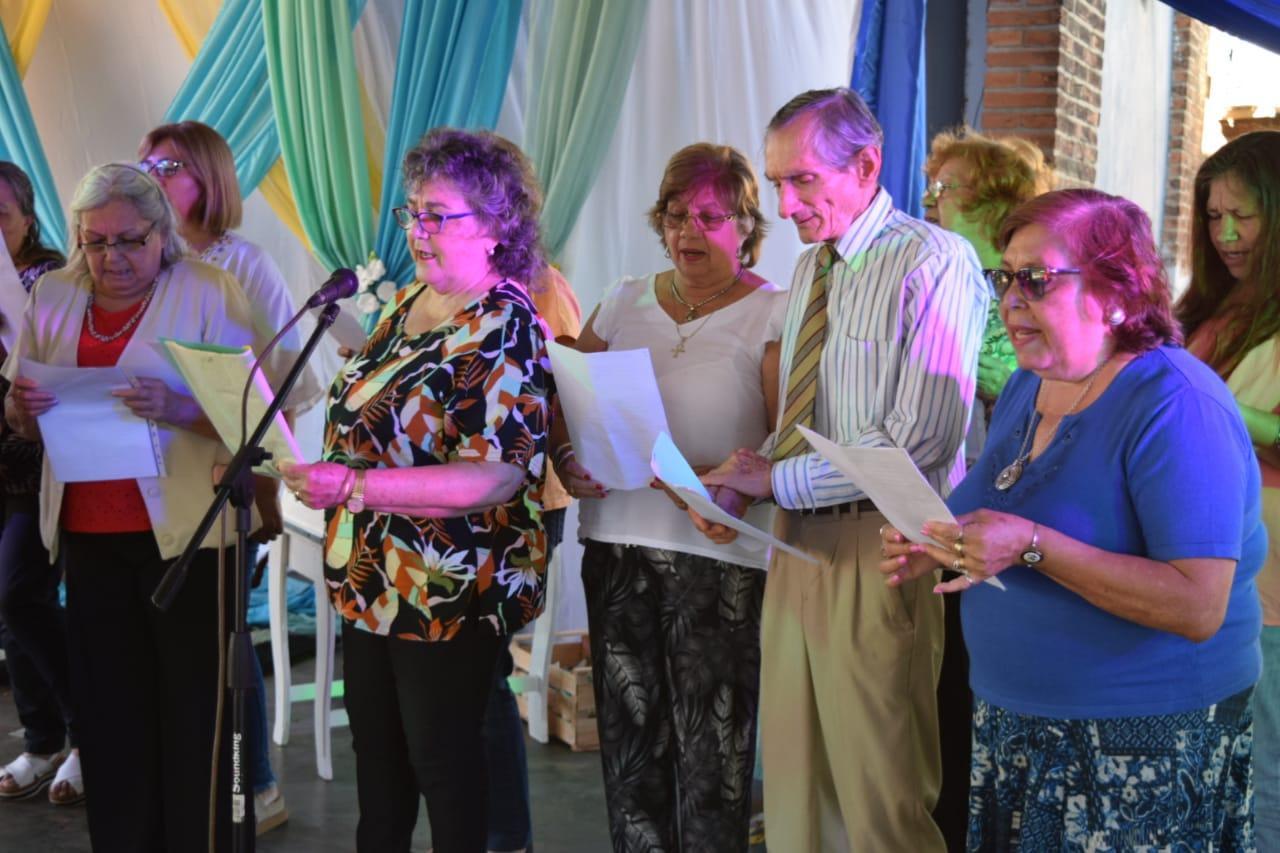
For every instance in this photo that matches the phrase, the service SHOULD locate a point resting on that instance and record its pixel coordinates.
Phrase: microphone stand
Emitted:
(236, 486)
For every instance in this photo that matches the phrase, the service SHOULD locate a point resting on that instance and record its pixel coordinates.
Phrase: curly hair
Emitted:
(730, 176)
(1110, 240)
(207, 156)
(1003, 173)
(125, 182)
(32, 251)
(497, 180)
(1253, 160)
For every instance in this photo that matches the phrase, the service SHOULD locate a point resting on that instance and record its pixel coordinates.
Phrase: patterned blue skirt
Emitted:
(1176, 782)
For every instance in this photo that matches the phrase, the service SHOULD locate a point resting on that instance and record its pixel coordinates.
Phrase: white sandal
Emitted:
(30, 772)
(68, 781)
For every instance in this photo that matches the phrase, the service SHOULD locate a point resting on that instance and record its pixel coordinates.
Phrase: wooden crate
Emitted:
(571, 704)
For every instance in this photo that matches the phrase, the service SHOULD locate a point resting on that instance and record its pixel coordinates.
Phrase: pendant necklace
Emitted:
(678, 349)
(693, 309)
(1012, 472)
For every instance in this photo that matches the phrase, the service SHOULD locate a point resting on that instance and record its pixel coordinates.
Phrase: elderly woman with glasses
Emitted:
(1118, 501)
(435, 457)
(675, 617)
(144, 683)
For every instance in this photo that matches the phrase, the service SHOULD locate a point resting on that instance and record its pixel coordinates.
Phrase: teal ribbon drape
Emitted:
(20, 143)
(228, 89)
(312, 69)
(580, 62)
(451, 69)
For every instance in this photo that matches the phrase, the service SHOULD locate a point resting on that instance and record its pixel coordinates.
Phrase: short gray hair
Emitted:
(843, 123)
(124, 182)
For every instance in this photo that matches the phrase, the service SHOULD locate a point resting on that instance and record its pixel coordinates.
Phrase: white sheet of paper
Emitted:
(893, 482)
(13, 300)
(90, 435)
(216, 376)
(613, 410)
(669, 465)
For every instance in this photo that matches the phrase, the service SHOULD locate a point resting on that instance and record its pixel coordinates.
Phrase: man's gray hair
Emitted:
(843, 124)
(124, 182)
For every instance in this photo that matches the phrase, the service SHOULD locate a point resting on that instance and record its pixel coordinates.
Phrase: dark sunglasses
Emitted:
(1033, 281)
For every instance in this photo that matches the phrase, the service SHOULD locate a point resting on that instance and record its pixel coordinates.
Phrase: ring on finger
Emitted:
(969, 578)
(882, 529)
(957, 565)
(958, 547)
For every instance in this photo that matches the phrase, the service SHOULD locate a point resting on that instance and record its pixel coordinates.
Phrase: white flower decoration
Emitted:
(368, 303)
(371, 273)
(386, 290)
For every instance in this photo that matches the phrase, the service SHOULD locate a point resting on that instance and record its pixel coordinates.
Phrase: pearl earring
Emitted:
(1116, 316)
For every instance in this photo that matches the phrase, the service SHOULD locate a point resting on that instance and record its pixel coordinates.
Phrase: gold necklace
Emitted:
(693, 309)
(133, 321)
(1012, 472)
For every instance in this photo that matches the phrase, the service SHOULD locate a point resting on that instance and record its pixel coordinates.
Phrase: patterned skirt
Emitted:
(1176, 782)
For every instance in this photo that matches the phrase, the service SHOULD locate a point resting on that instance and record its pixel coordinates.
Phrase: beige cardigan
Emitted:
(193, 302)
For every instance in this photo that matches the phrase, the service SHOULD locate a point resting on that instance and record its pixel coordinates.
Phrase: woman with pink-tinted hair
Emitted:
(1117, 499)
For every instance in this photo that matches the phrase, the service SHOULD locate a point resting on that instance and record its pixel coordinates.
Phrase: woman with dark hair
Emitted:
(435, 456)
(145, 683)
(1112, 678)
(675, 616)
(1231, 317)
(32, 621)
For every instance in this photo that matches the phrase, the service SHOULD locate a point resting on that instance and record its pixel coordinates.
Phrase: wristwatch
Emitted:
(1032, 556)
(355, 502)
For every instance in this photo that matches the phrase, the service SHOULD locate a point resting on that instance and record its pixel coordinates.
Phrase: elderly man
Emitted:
(879, 349)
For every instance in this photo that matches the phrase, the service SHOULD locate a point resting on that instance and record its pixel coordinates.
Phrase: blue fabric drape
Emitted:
(227, 88)
(1257, 21)
(20, 143)
(888, 71)
(451, 69)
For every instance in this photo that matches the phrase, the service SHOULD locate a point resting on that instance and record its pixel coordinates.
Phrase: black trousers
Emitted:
(145, 684)
(416, 711)
(955, 715)
(33, 632)
(675, 658)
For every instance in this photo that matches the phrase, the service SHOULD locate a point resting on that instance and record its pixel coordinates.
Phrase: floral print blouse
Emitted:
(474, 389)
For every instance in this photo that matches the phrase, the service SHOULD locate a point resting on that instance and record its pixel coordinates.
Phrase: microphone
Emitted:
(341, 284)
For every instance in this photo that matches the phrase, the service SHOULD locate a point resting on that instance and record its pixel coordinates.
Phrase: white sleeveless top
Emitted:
(714, 401)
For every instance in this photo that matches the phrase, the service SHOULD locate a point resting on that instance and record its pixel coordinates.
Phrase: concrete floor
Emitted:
(565, 788)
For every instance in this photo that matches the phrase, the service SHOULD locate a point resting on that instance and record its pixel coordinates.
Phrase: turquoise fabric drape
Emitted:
(451, 69)
(20, 143)
(312, 69)
(228, 89)
(581, 56)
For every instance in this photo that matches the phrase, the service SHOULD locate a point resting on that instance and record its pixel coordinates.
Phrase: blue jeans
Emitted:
(256, 712)
(1266, 746)
(510, 823)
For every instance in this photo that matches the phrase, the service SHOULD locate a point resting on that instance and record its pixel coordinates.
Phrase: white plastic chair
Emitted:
(300, 550)
(534, 686)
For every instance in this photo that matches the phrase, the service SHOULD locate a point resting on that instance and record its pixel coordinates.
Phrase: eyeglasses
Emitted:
(704, 222)
(935, 189)
(428, 220)
(163, 168)
(127, 246)
(1032, 281)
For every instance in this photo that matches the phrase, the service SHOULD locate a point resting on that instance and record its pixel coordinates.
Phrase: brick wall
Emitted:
(1044, 79)
(1186, 128)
